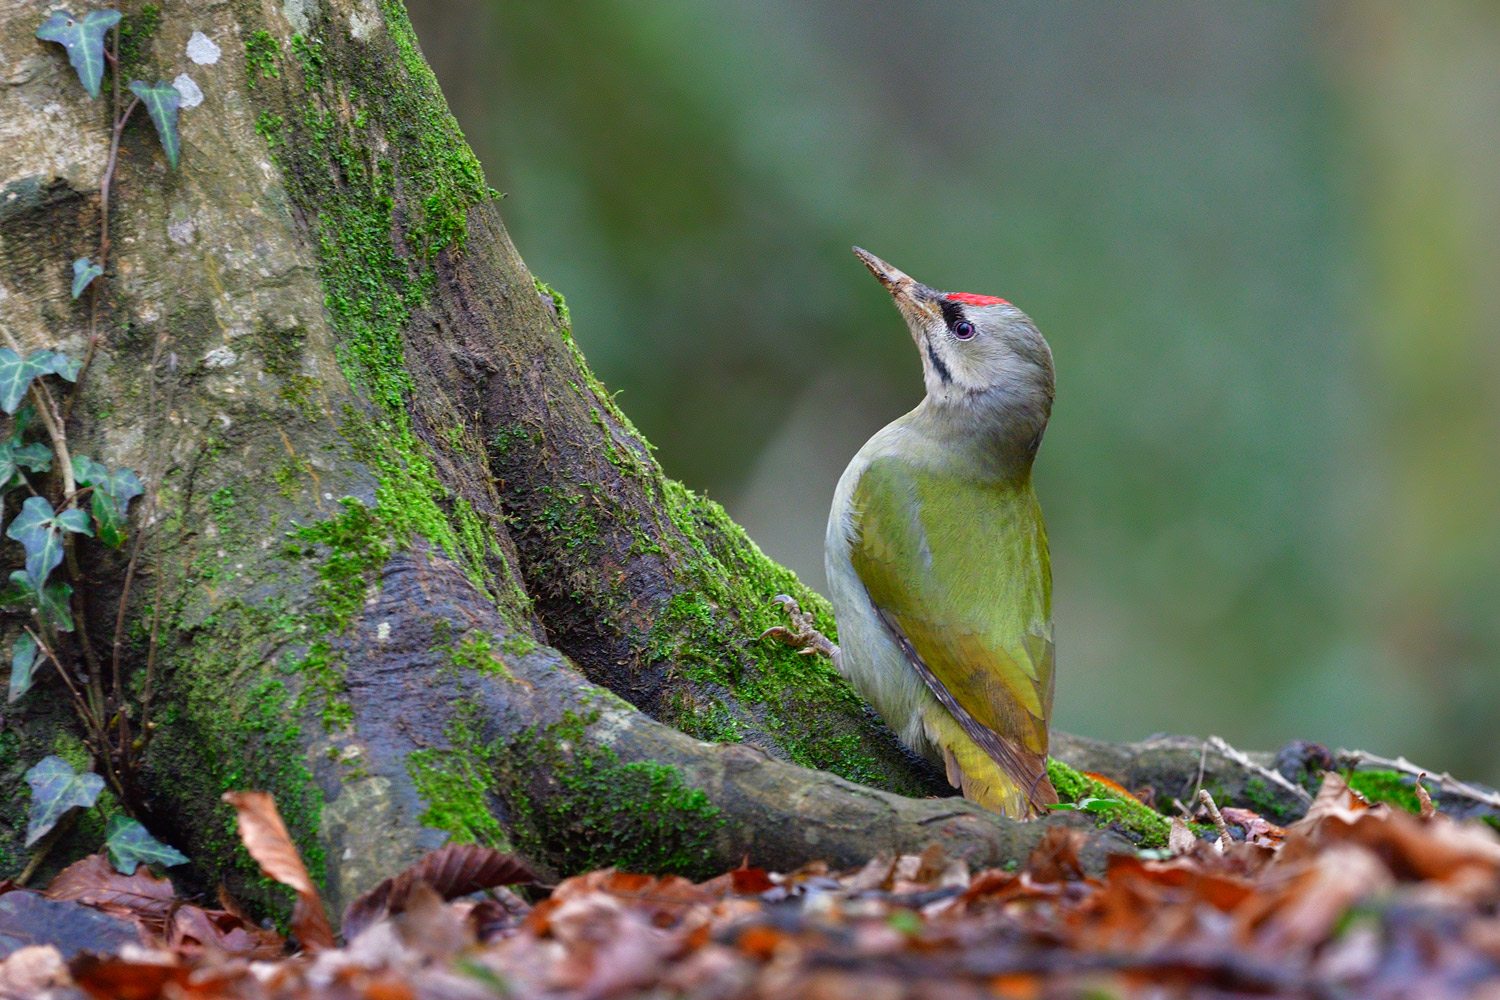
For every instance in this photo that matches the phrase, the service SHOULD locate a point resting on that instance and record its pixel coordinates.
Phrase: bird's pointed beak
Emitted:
(917, 302)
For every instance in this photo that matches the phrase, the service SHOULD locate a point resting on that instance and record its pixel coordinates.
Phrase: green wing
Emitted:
(959, 566)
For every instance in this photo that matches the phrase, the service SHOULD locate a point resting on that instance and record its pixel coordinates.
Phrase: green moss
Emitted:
(564, 316)
(477, 653)
(507, 437)
(268, 125)
(1386, 786)
(791, 694)
(1142, 824)
(458, 787)
(232, 725)
(310, 56)
(706, 719)
(379, 225)
(562, 516)
(136, 32)
(221, 506)
(71, 749)
(1259, 797)
(1070, 785)
(300, 390)
(518, 644)
(353, 547)
(288, 476)
(638, 816)
(262, 57)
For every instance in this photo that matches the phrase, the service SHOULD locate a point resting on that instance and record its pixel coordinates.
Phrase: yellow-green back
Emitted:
(958, 562)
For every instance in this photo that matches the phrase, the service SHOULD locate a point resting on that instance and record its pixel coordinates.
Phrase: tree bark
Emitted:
(399, 545)
(404, 563)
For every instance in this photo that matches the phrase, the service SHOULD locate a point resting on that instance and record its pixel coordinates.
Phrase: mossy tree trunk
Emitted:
(409, 567)
(403, 561)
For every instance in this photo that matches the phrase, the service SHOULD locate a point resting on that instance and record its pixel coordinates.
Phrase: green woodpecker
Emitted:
(937, 554)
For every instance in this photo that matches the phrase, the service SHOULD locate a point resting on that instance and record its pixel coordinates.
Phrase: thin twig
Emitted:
(105, 184)
(140, 536)
(151, 646)
(46, 408)
(1445, 781)
(90, 724)
(1274, 777)
(1218, 818)
(52, 836)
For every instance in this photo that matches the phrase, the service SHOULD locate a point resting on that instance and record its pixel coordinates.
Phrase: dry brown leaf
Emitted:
(1335, 799)
(1056, 857)
(1424, 800)
(266, 838)
(94, 882)
(194, 928)
(1180, 837)
(429, 926)
(451, 871)
(1258, 829)
(124, 979)
(1303, 912)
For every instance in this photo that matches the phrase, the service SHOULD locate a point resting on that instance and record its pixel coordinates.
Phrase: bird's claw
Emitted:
(803, 634)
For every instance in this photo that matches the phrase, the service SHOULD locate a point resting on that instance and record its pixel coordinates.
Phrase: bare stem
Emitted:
(105, 184)
(1218, 818)
(1274, 777)
(1445, 781)
(46, 408)
(91, 724)
(45, 847)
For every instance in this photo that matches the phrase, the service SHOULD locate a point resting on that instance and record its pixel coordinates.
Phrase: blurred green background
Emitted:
(1263, 240)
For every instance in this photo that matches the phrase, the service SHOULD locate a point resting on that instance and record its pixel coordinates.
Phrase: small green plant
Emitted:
(68, 501)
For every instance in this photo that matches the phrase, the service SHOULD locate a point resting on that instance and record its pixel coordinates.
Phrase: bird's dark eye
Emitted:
(963, 329)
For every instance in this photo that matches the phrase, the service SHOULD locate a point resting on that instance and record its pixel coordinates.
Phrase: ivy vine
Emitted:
(68, 501)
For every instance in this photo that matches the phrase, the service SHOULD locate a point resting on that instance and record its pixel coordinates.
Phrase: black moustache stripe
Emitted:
(937, 363)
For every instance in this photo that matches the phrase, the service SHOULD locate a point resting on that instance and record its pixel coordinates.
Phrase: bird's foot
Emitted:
(803, 634)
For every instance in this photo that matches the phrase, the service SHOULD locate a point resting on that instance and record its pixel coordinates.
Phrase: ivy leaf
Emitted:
(25, 417)
(35, 456)
(83, 37)
(113, 492)
(83, 273)
(55, 789)
(16, 376)
(35, 530)
(110, 519)
(57, 363)
(86, 470)
(129, 844)
(17, 591)
(161, 101)
(54, 604)
(74, 520)
(39, 530)
(122, 486)
(22, 665)
(13, 457)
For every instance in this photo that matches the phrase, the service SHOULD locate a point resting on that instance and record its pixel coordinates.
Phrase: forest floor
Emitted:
(1353, 900)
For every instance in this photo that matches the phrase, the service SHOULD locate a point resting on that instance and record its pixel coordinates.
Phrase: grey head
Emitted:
(984, 363)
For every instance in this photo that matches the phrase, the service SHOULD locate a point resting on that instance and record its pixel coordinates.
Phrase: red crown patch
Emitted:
(969, 298)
